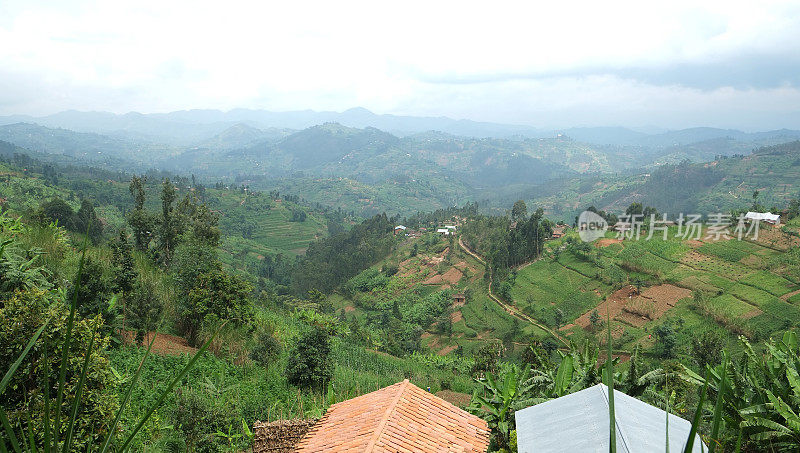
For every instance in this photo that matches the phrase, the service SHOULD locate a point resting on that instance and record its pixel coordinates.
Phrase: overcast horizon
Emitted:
(671, 66)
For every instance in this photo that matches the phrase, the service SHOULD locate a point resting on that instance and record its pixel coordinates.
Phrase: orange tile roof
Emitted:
(398, 418)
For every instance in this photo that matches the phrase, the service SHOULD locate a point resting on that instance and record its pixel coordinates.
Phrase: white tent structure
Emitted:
(579, 422)
(768, 217)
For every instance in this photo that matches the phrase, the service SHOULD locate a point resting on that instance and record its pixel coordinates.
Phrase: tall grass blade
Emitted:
(717, 423)
(31, 441)
(62, 373)
(169, 388)
(79, 392)
(666, 423)
(112, 431)
(697, 413)
(612, 419)
(9, 431)
(46, 397)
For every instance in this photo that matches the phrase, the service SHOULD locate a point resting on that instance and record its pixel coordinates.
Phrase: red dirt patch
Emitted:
(612, 305)
(694, 243)
(653, 303)
(637, 310)
(349, 309)
(461, 265)
(605, 242)
(456, 316)
(451, 277)
(164, 345)
(457, 399)
(752, 313)
(787, 296)
(447, 350)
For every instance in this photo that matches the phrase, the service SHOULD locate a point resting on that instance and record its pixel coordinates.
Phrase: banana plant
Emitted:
(502, 396)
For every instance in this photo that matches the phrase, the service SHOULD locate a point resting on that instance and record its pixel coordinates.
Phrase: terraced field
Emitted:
(266, 224)
(729, 284)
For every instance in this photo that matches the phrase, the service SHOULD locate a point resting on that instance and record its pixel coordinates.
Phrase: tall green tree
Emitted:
(169, 223)
(139, 219)
(124, 270)
(57, 210)
(519, 211)
(145, 307)
(86, 221)
(201, 221)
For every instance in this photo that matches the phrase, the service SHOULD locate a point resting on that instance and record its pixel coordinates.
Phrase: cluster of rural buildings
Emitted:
(405, 418)
(446, 230)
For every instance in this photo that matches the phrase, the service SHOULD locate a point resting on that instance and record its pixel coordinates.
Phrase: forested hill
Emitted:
(370, 171)
(722, 185)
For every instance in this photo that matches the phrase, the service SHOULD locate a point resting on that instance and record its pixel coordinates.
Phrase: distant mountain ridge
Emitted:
(193, 127)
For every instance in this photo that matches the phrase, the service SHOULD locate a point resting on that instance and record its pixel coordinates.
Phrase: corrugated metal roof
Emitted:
(579, 422)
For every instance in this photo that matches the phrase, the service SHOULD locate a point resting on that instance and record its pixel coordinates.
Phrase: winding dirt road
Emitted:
(509, 308)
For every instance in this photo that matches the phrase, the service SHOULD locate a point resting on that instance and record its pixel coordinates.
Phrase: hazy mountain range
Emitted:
(189, 127)
(357, 158)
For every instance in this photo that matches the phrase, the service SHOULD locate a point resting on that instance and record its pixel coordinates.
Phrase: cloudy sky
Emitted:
(548, 64)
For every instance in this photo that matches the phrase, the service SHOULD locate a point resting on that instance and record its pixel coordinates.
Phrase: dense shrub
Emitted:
(310, 364)
(20, 317)
(217, 294)
(267, 349)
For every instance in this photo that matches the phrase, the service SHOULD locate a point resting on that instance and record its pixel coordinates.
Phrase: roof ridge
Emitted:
(386, 414)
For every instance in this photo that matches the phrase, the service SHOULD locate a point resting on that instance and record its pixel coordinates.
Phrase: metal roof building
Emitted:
(580, 422)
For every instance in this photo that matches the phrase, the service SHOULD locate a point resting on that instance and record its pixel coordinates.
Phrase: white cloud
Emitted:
(531, 62)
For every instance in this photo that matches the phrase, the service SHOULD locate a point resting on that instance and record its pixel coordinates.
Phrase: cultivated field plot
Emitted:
(698, 282)
(671, 249)
(771, 283)
(717, 266)
(583, 267)
(637, 257)
(731, 308)
(730, 251)
(546, 284)
(775, 238)
(781, 311)
(276, 230)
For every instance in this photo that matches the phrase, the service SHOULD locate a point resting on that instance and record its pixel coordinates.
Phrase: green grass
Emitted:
(769, 282)
(729, 306)
(722, 249)
(671, 249)
(544, 286)
(637, 257)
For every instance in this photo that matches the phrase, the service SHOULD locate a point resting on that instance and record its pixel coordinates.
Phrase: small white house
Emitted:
(399, 229)
(443, 231)
(450, 227)
(774, 219)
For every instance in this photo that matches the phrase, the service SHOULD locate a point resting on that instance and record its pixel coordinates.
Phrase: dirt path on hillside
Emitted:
(165, 344)
(508, 308)
(605, 242)
(788, 296)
